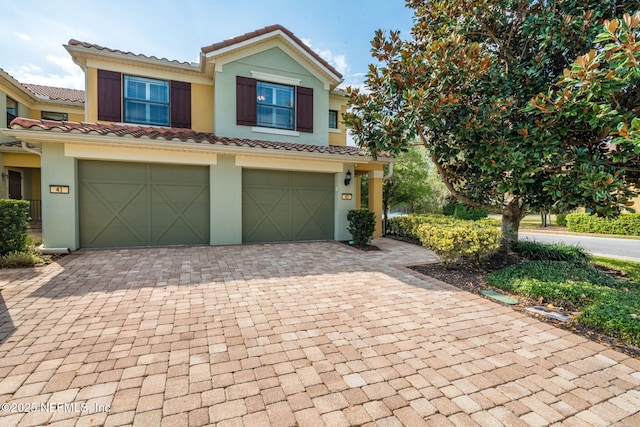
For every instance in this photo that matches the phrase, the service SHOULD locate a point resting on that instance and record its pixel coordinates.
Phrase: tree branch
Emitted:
(455, 193)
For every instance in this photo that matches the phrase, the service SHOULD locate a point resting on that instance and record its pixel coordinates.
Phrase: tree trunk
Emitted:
(510, 226)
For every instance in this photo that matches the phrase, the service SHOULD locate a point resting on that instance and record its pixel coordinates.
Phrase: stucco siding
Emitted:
(273, 61)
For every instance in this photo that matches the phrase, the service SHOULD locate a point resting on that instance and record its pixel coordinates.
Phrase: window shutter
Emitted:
(246, 101)
(109, 96)
(304, 113)
(180, 104)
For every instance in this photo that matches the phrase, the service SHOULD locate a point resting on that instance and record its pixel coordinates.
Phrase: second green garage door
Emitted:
(139, 204)
(287, 206)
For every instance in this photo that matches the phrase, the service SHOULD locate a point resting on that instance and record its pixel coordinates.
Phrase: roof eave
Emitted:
(38, 136)
(211, 55)
(80, 54)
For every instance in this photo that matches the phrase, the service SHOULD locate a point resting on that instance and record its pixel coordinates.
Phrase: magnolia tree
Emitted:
(463, 85)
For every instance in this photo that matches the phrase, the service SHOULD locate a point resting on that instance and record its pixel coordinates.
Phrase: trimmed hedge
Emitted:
(406, 226)
(362, 224)
(561, 220)
(448, 237)
(14, 224)
(627, 224)
(460, 238)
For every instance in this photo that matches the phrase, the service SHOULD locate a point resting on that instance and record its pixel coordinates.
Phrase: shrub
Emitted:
(552, 252)
(449, 209)
(459, 238)
(467, 212)
(561, 220)
(14, 223)
(362, 223)
(20, 259)
(627, 224)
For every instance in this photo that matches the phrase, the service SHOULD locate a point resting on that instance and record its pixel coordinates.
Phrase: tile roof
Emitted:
(55, 93)
(74, 42)
(182, 135)
(270, 29)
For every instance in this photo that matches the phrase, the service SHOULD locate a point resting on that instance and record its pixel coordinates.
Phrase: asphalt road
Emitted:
(604, 246)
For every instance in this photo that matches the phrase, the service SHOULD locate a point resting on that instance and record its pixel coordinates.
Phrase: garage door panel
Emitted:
(285, 206)
(133, 204)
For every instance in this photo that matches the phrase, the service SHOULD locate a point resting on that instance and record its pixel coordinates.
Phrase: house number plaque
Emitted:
(59, 189)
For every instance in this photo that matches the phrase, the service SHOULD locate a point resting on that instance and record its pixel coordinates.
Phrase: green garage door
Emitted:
(136, 204)
(286, 206)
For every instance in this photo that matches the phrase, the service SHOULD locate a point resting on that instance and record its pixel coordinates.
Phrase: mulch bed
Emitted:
(469, 277)
(364, 248)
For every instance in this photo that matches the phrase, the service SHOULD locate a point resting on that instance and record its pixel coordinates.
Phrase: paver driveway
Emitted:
(305, 334)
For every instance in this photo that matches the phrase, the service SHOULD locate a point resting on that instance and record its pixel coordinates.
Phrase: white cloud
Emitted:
(25, 37)
(71, 76)
(339, 62)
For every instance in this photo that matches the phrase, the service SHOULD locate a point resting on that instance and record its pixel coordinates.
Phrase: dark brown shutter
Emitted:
(180, 105)
(304, 113)
(109, 96)
(245, 101)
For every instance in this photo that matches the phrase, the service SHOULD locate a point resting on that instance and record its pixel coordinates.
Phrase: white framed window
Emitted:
(275, 105)
(333, 119)
(146, 101)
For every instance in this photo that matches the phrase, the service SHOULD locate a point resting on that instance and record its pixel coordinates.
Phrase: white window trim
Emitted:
(275, 131)
(334, 130)
(272, 78)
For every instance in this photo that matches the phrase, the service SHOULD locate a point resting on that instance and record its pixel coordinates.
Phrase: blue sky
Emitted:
(33, 31)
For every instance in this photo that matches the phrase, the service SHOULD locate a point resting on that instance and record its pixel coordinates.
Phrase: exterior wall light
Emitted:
(347, 179)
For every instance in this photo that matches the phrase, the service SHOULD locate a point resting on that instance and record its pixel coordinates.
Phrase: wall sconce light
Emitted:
(4, 175)
(347, 179)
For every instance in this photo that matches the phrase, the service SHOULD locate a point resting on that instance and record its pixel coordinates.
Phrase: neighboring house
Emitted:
(19, 163)
(246, 145)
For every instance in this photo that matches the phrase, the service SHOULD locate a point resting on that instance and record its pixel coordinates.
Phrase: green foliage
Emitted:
(463, 82)
(459, 238)
(596, 100)
(414, 183)
(25, 258)
(14, 223)
(449, 209)
(362, 224)
(467, 212)
(627, 224)
(630, 268)
(552, 252)
(606, 304)
(407, 225)
(561, 220)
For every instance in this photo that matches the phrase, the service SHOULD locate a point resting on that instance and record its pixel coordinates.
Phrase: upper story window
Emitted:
(333, 119)
(12, 110)
(52, 115)
(146, 101)
(275, 105)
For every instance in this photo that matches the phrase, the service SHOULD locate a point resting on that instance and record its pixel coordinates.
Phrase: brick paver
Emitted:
(283, 334)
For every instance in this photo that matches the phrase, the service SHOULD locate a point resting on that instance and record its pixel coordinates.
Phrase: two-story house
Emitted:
(19, 163)
(246, 145)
